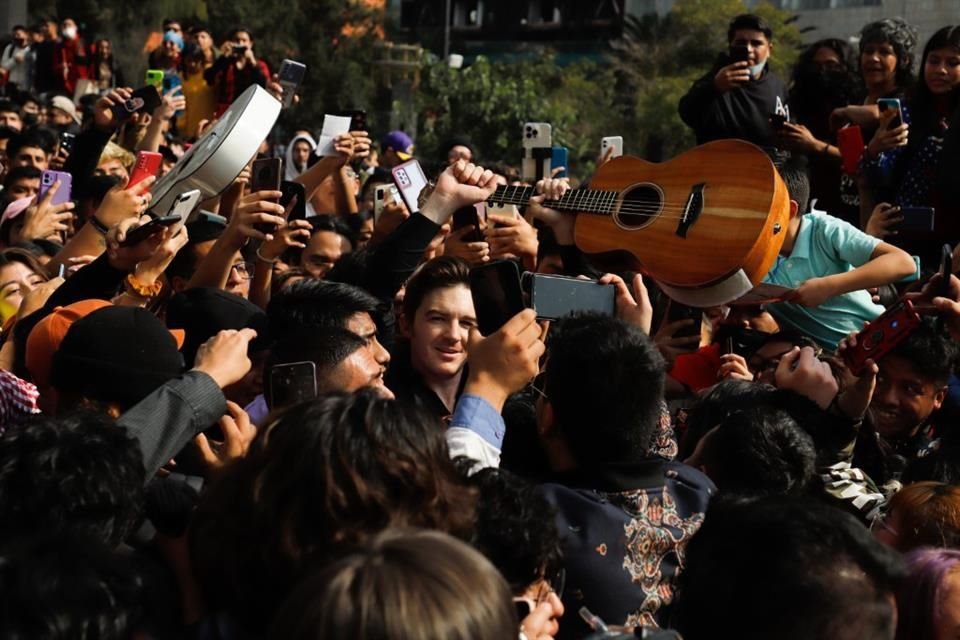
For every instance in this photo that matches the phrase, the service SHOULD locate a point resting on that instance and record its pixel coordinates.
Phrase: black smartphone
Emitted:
(239, 52)
(144, 99)
(553, 297)
(358, 119)
(739, 340)
(777, 121)
(66, 142)
(677, 311)
(884, 104)
(144, 231)
(265, 176)
(916, 219)
(497, 295)
(290, 191)
(465, 217)
(291, 383)
(739, 53)
(946, 270)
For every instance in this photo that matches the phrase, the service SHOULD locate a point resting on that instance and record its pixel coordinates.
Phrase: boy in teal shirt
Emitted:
(830, 264)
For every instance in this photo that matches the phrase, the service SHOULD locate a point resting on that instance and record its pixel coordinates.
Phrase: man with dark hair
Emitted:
(17, 60)
(236, 69)
(795, 568)
(80, 473)
(760, 450)
(624, 515)
(10, 115)
(30, 149)
(736, 98)
(330, 238)
(911, 387)
(21, 182)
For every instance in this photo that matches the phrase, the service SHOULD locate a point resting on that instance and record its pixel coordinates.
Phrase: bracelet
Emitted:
(262, 259)
(140, 289)
(826, 148)
(99, 226)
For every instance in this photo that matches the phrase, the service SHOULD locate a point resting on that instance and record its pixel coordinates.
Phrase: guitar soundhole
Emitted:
(640, 205)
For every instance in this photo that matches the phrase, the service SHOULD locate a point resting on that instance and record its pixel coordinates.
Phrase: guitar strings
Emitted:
(652, 211)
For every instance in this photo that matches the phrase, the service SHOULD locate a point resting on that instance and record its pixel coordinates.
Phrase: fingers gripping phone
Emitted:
(916, 219)
(384, 195)
(290, 191)
(677, 312)
(265, 176)
(465, 217)
(850, 143)
(155, 78)
(554, 297)
(883, 335)
(143, 99)
(63, 191)
(292, 383)
(614, 142)
(147, 164)
(410, 181)
(891, 104)
(144, 231)
(184, 204)
(739, 53)
(497, 294)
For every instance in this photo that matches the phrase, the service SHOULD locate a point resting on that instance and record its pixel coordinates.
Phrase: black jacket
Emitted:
(742, 113)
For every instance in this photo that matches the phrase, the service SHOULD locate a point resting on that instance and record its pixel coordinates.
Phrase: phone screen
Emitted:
(292, 383)
(465, 217)
(497, 295)
(886, 104)
(677, 311)
(290, 191)
(557, 296)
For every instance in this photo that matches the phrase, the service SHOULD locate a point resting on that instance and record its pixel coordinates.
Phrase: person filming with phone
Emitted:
(236, 69)
(740, 94)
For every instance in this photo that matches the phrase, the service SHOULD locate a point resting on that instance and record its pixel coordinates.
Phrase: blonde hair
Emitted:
(113, 151)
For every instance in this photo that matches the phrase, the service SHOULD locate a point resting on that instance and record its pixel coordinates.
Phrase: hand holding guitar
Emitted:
(561, 223)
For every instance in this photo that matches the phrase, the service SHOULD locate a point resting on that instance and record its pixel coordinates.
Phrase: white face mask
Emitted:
(69, 32)
(757, 69)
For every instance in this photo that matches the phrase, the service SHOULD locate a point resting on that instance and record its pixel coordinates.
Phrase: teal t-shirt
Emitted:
(825, 246)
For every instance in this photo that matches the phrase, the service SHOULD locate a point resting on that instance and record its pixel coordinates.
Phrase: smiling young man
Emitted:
(736, 98)
(428, 367)
(911, 387)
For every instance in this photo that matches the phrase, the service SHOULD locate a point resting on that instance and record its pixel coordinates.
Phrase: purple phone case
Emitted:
(66, 185)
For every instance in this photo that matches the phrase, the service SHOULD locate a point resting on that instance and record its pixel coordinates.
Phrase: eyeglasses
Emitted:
(243, 269)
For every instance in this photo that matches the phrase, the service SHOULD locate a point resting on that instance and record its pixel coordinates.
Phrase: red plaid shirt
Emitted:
(17, 397)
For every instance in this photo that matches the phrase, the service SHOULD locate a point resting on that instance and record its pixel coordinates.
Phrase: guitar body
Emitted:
(695, 220)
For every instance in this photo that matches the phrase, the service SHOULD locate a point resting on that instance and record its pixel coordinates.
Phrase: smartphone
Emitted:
(468, 216)
(497, 295)
(850, 143)
(677, 311)
(553, 297)
(290, 191)
(292, 383)
(739, 53)
(66, 141)
(358, 119)
(155, 78)
(169, 82)
(63, 191)
(143, 99)
(886, 104)
(290, 76)
(410, 181)
(916, 219)
(537, 151)
(144, 231)
(615, 142)
(777, 121)
(890, 329)
(265, 176)
(559, 158)
(946, 270)
(184, 204)
(238, 51)
(739, 340)
(385, 194)
(148, 164)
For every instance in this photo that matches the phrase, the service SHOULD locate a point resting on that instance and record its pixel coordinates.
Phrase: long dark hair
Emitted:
(326, 475)
(815, 92)
(902, 36)
(925, 116)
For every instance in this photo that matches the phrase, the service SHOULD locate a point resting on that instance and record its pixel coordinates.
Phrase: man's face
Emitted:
(11, 119)
(24, 188)
(242, 39)
(112, 167)
(30, 157)
(439, 332)
(756, 43)
(322, 252)
(365, 366)
(301, 153)
(764, 361)
(238, 281)
(459, 152)
(60, 118)
(51, 29)
(20, 37)
(904, 398)
(203, 40)
(175, 27)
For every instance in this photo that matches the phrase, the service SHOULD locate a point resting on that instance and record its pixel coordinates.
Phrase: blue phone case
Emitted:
(558, 158)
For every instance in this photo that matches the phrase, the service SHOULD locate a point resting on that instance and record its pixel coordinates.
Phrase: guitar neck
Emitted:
(576, 200)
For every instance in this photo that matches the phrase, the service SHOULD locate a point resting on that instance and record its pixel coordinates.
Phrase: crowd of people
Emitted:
(261, 425)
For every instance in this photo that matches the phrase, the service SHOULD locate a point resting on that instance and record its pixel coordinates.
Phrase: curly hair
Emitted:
(324, 476)
(902, 36)
(80, 472)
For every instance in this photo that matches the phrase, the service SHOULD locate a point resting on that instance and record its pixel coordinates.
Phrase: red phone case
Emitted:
(883, 335)
(850, 142)
(148, 164)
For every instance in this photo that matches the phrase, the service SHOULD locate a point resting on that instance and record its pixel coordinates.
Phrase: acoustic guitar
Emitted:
(717, 210)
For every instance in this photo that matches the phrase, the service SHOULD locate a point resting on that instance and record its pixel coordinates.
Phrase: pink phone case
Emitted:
(410, 181)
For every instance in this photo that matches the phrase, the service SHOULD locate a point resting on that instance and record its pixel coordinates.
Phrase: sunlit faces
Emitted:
(904, 398)
(756, 43)
(16, 280)
(941, 71)
(366, 366)
(439, 332)
(878, 64)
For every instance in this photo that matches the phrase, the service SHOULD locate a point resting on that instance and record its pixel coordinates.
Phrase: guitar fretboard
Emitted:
(579, 200)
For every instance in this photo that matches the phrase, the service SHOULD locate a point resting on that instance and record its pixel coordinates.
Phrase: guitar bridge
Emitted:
(692, 210)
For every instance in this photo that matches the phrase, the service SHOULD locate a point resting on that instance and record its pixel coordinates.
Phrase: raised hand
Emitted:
(42, 220)
(732, 76)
